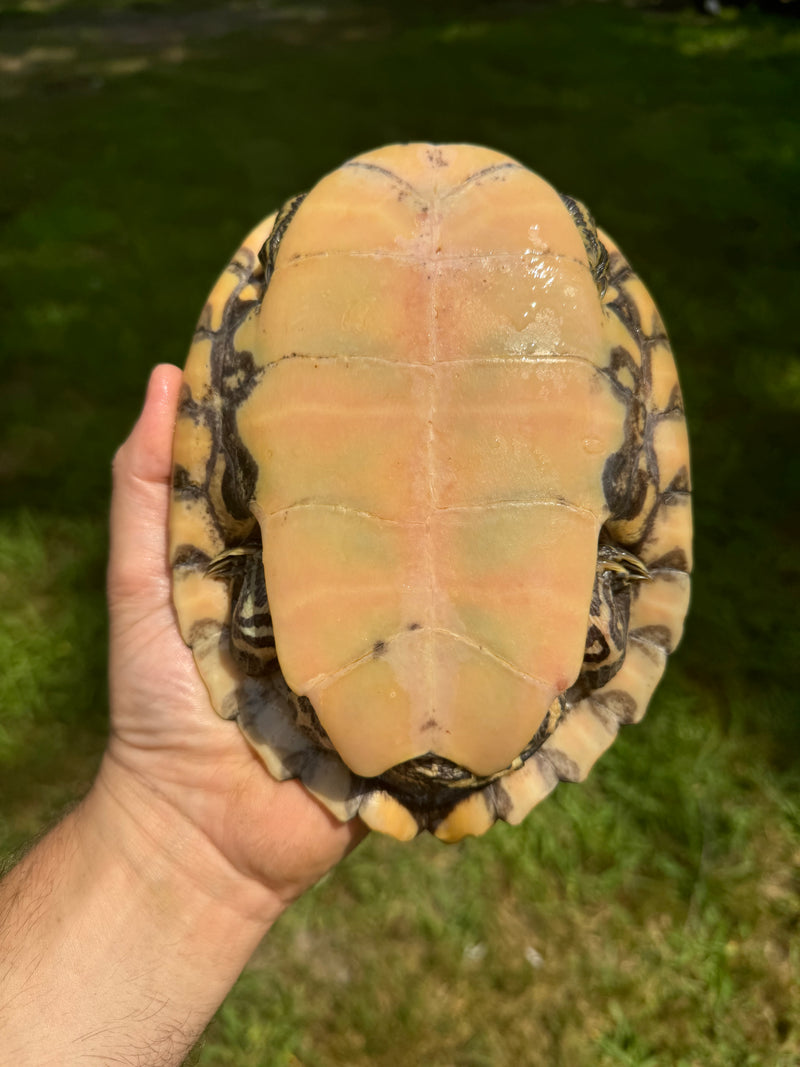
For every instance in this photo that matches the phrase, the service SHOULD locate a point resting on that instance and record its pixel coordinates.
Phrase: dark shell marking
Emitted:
(219, 489)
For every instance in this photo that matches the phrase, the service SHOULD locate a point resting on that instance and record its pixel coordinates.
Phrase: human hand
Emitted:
(169, 754)
(125, 927)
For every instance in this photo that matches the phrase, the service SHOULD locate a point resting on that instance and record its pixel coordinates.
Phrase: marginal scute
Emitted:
(662, 605)
(190, 456)
(636, 680)
(526, 787)
(265, 720)
(637, 507)
(665, 395)
(669, 442)
(672, 525)
(423, 397)
(674, 560)
(189, 557)
(562, 763)
(210, 643)
(197, 372)
(624, 355)
(618, 703)
(227, 285)
(471, 817)
(380, 811)
(660, 636)
(264, 717)
(582, 736)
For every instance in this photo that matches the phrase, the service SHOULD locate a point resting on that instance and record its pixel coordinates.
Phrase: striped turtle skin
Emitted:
(431, 520)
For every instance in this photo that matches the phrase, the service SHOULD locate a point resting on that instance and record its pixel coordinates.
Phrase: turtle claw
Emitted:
(230, 561)
(620, 561)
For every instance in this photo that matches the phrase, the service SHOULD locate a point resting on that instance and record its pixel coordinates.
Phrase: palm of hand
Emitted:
(164, 731)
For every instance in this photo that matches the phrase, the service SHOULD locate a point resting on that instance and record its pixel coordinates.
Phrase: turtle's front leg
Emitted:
(252, 636)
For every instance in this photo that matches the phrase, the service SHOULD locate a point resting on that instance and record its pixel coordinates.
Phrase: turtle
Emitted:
(430, 526)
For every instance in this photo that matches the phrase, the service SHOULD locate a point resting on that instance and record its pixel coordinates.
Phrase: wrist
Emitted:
(122, 932)
(173, 923)
(162, 849)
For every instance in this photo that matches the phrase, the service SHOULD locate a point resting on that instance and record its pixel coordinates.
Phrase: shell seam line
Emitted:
(497, 505)
(434, 234)
(484, 172)
(639, 640)
(365, 657)
(548, 357)
(438, 257)
(397, 179)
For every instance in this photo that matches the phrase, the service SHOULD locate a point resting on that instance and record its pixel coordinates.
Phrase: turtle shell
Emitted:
(431, 523)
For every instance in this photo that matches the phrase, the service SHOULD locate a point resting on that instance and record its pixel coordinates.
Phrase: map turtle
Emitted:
(430, 526)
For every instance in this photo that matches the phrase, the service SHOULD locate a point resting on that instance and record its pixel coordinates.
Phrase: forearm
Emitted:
(115, 949)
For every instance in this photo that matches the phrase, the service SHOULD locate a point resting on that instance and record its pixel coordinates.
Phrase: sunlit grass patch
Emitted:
(52, 650)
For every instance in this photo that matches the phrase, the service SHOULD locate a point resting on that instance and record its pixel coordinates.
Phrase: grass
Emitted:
(52, 646)
(647, 917)
(598, 932)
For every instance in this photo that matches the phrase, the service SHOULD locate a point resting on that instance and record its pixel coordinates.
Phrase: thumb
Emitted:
(138, 568)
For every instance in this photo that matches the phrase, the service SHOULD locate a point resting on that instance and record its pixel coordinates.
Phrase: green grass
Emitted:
(643, 918)
(649, 916)
(52, 647)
